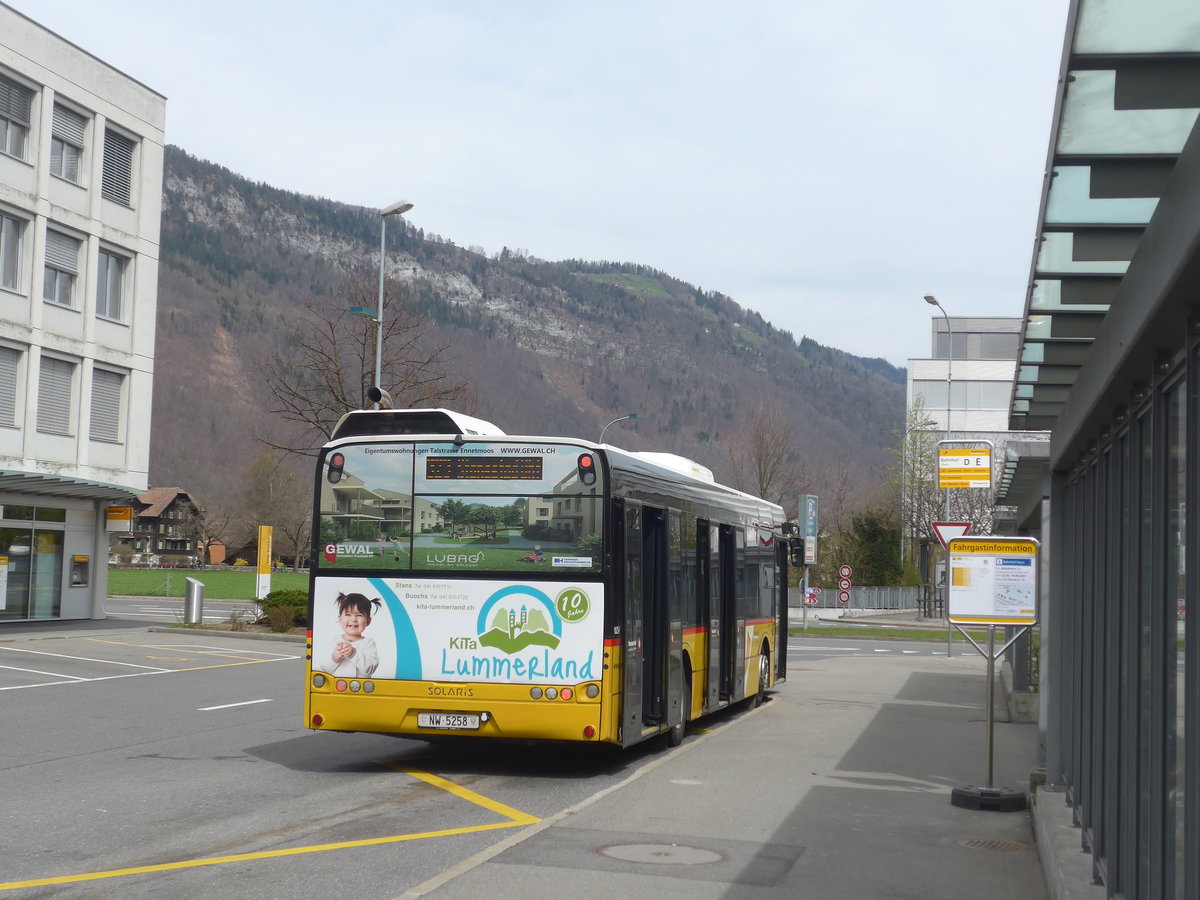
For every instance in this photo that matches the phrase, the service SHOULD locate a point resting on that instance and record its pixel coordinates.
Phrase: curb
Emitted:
(242, 635)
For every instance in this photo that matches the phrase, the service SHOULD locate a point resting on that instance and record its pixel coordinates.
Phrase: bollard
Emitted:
(193, 603)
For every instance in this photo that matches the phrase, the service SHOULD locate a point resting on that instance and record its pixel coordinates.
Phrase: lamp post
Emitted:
(398, 208)
(933, 301)
(614, 422)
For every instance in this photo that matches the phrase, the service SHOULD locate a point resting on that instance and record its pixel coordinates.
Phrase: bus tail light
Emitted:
(337, 462)
(587, 468)
(318, 720)
(566, 693)
(592, 691)
(589, 732)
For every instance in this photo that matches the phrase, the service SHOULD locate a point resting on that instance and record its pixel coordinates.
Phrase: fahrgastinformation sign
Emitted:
(993, 581)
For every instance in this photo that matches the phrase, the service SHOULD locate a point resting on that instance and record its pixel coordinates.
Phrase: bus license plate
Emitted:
(452, 721)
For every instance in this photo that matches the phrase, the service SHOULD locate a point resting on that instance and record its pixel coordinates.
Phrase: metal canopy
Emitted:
(56, 486)
(1128, 97)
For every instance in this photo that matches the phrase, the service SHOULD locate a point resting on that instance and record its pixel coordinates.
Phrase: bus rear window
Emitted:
(491, 506)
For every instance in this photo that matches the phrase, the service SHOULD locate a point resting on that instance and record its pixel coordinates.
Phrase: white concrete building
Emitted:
(81, 155)
(979, 370)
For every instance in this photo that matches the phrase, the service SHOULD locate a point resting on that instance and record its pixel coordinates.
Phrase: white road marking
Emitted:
(109, 662)
(232, 705)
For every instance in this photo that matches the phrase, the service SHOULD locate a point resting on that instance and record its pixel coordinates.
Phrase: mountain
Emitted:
(556, 348)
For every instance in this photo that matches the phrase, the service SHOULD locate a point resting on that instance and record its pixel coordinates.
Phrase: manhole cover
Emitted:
(662, 854)
(1002, 846)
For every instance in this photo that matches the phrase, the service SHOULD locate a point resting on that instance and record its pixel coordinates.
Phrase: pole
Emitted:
(804, 595)
(379, 312)
(991, 699)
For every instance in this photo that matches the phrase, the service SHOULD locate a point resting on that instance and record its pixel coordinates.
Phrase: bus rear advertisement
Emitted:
(474, 584)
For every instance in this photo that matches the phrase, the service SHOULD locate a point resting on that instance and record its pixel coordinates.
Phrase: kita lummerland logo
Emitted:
(521, 616)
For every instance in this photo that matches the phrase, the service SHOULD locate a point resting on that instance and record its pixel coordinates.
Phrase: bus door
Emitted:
(656, 620)
(724, 612)
(629, 519)
(713, 614)
(706, 541)
(781, 609)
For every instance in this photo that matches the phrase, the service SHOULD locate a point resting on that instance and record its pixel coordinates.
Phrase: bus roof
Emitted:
(411, 421)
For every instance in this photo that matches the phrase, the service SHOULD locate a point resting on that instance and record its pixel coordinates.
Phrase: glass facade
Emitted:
(31, 561)
(1125, 690)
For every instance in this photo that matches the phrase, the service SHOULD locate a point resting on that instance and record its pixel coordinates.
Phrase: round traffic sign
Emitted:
(844, 584)
(843, 596)
(845, 571)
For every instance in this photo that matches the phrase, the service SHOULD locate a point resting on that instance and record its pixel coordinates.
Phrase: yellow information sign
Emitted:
(993, 581)
(964, 467)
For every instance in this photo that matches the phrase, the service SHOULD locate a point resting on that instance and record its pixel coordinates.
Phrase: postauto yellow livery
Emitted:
(472, 584)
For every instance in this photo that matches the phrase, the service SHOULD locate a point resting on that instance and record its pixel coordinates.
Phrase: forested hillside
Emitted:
(546, 347)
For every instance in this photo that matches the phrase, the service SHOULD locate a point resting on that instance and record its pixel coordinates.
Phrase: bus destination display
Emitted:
(483, 468)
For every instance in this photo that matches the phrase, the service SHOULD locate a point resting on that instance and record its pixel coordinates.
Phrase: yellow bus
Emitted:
(474, 584)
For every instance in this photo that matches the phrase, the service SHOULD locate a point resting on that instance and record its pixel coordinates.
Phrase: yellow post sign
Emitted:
(118, 518)
(964, 467)
(993, 581)
(263, 585)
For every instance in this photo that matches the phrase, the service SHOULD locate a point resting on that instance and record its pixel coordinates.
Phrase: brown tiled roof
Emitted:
(156, 500)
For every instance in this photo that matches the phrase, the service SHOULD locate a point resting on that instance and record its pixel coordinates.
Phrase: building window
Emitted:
(107, 388)
(66, 143)
(62, 264)
(54, 396)
(116, 182)
(10, 252)
(10, 361)
(16, 102)
(110, 286)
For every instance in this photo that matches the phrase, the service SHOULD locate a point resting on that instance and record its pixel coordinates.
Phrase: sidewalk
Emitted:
(838, 787)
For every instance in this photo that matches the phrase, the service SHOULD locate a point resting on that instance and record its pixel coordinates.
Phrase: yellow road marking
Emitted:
(515, 819)
(228, 654)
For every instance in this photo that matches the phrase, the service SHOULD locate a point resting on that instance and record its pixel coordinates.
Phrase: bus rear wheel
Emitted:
(764, 677)
(676, 732)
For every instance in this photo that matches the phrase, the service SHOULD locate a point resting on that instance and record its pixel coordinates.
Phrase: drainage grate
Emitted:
(1002, 846)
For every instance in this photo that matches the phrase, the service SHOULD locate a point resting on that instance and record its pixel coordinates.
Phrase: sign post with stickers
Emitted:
(992, 581)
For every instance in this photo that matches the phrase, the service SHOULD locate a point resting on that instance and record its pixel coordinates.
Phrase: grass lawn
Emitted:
(219, 584)
(891, 633)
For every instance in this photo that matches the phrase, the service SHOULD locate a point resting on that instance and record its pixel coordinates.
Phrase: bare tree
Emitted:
(206, 524)
(920, 500)
(274, 492)
(763, 458)
(327, 366)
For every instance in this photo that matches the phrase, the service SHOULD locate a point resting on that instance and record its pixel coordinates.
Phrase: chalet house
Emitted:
(162, 534)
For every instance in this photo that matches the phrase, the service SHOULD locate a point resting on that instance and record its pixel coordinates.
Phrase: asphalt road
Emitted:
(150, 765)
(146, 764)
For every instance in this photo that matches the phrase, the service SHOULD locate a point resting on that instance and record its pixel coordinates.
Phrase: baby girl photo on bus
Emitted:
(352, 654)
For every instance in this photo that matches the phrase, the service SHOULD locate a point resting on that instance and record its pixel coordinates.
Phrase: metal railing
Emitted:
(887, 598)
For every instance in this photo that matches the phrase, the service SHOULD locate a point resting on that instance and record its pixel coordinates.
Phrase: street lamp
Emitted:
(933, 301)
(614, 422)
(398, 208)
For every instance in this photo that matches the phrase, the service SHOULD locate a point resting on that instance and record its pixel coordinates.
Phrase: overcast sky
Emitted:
(824, 163)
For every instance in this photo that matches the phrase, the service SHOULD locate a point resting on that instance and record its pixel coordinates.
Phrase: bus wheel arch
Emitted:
(687, 687)
(764, 673)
